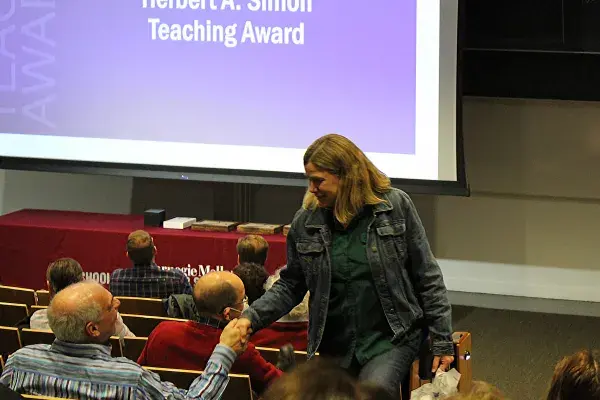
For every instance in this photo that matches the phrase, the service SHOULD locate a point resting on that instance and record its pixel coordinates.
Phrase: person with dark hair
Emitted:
(577, 377)
(60, 274)
(146, 279)
(219, 298)
(358, 246)
(252, 248)
(254, 277)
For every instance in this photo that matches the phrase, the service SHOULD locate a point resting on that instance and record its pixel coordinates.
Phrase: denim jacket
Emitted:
(408, 279)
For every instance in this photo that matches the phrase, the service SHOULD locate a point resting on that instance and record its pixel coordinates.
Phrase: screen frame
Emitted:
(460, 187)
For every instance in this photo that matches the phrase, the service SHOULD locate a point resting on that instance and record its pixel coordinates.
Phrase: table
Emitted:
(31, 239)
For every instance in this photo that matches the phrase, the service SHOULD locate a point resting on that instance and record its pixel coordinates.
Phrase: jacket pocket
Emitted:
(311, 255)
(392, 237)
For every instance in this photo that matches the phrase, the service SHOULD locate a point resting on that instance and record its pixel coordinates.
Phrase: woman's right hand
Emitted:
(245, 327)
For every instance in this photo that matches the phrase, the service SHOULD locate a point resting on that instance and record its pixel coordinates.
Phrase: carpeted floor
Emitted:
(517, 351)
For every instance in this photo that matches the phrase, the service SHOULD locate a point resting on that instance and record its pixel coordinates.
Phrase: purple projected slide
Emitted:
(276, 73)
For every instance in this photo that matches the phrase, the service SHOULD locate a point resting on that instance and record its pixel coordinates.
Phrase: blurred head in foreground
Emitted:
(577, 377)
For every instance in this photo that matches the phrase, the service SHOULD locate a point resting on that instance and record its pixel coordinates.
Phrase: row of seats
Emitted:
(142, 315)
(12, 339)
(32, 298)
(239, 387)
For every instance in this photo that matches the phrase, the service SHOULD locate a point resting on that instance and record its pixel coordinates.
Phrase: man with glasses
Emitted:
(219, 298)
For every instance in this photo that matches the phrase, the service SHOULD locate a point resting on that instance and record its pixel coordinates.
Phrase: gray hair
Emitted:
(298, 313)
(69, 325)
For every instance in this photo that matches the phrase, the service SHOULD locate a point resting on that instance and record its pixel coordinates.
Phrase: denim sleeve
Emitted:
(428, 281)
(284, 295)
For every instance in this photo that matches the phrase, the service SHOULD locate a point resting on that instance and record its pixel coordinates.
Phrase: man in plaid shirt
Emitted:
(146, 279)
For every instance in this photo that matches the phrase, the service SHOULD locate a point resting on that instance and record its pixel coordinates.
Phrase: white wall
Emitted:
(73, 192)
(532, 224)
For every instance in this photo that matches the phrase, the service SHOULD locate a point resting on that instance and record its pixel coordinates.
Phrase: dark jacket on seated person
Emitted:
(181, 306)
(278, 334)
(188, 345)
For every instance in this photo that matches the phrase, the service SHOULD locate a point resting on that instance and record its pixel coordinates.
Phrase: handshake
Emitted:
(236, 334)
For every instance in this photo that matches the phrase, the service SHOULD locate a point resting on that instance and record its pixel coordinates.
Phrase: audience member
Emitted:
(291, 328)
(254, 276)
(60, 274)
(219, 297)
(577, 377)
(479, 391)
(79, 365)
(146, 279)
(253, 249)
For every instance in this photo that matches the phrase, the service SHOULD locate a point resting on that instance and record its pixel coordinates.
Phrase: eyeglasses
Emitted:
(244, 301)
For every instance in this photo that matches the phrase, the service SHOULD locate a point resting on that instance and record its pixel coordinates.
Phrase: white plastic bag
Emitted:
(443, 385)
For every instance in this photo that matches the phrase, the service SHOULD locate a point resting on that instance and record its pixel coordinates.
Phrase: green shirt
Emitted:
(356, 325)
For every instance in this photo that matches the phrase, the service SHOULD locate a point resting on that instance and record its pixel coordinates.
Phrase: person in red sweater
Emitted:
(219, 297)
(291, 328)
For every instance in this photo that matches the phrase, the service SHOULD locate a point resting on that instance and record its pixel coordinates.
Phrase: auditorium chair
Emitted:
(462, 362)
(36, 308)
(115, 343)
(143, 325)
(10, 341)
(12, 313)
(272, 355)
(17, 295)
(238, 388)
(36, 336)
(131, 347)
(142, 306)
(43, 297)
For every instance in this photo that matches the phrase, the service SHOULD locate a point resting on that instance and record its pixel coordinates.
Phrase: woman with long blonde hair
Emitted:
(376, 290)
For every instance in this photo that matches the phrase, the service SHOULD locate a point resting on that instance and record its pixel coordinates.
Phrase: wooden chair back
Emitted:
(37, 308)
(12, 294)
(143, 325)
(462, 363)
(36, 336)
(115, 344)
(43, 297)
(131, 347)
(238, 388)
(12, 313)
(10, 341)
(142, 306)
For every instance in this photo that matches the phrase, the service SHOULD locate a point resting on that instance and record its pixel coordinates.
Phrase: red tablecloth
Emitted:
(31, 239)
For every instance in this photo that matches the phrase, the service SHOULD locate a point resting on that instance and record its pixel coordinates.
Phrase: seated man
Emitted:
(60, 274)
(146, 279)
(291, 328)
(219, 297)
(254, 276)
(79, 365)
(252, 249)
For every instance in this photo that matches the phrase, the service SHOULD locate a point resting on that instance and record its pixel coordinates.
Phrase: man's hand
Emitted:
(232, 337)
(245, 327)
(442, 362)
